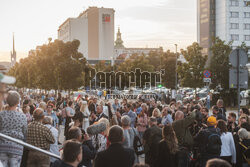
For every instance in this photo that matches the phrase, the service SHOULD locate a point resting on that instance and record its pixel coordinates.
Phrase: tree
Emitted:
(190, 73)
(219, 65)
(56, 65)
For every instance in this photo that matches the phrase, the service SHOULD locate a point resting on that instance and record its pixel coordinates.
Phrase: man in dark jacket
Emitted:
(116, 155)
(151, 138)
(218, 114)
(185, 139)
(209, 142)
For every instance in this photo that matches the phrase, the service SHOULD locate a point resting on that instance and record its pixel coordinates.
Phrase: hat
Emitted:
(211, 120)
(7, 79)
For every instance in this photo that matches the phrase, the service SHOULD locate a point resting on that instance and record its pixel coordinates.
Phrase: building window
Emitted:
(247, 3)
(247, 37)
(234, 26)
(247, 14)
(234, 14)
(234, 3)
(234, 37)
(247, 26)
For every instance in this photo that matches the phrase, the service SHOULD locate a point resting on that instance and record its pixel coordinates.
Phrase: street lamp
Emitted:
(176, 67)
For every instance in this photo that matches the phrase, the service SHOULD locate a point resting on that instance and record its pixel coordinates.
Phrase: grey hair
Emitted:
(47, 120)
(13, 98)
(243, 134)
(126, 121)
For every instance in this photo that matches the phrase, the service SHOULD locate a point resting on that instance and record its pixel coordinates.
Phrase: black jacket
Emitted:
(152, 136)
(115, 156)
(164, 156)
(88, 153)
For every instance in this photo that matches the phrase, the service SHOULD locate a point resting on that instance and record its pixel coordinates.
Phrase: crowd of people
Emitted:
(120, 133)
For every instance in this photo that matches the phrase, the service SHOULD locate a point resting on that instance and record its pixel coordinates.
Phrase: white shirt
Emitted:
(228, 146)
(53, 147)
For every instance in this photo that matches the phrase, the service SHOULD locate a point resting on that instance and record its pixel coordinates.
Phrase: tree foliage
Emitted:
(219, 64)
(190, 73)
(56, 65)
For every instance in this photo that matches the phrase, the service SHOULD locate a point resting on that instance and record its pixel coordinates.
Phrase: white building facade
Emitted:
(227, 19)
(94, 28)
(233, 21)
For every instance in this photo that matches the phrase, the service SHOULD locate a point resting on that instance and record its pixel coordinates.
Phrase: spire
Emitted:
(13, 53)
(119, 42)
(13, 42)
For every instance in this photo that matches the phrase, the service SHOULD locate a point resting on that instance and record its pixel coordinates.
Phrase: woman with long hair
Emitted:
(228, 151)
(167, 148)
(85, 111)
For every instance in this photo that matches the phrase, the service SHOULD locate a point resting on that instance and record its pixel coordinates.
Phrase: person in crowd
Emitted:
(13, 124)
(244, 111)
(142, 121)
(204, 112)
(244, 143)
(130, 113)
(166, 116)
(52, 114)
(151, 138)
(4, 80)
(85, 111)
(26, 111)
(221, 107)
(157, 114)
(72, 154)
(40, 136)
(185, 139)
(209, 142)
(231, 122)
(88, 150)
(218, 114)
(91, 106)
(116, 155)
(228, 151)
(152, 106)
(99, 115)
(53, 147)
(104, 108)
(217, 163)
(42, 105)
(129, 134)
(116, 106)
(70, 112)
(168, 148)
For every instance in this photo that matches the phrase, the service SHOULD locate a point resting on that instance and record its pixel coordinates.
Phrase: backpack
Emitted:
(138, 147)
(246, 153)
(214, 144)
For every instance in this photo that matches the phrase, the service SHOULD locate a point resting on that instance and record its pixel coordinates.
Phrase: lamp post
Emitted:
(176, 67)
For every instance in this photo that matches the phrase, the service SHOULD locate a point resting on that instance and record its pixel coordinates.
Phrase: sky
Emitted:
(143, 23)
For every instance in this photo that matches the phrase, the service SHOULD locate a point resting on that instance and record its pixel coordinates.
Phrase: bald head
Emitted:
(38, 114)
(179, 115)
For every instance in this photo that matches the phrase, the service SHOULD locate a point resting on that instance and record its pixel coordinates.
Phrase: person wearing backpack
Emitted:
(209, 142)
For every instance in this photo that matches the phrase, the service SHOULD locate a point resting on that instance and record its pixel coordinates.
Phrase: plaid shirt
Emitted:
(39, 135)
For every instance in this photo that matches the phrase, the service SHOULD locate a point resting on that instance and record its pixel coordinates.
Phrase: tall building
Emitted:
(94, 28)
(13, 54)
(227, 19)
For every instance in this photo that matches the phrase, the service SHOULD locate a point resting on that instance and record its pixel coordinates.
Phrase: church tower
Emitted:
(119, 42)
(13, 54)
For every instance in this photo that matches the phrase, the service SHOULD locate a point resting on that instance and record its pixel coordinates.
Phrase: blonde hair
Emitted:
(42, 105)
(156, 112)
